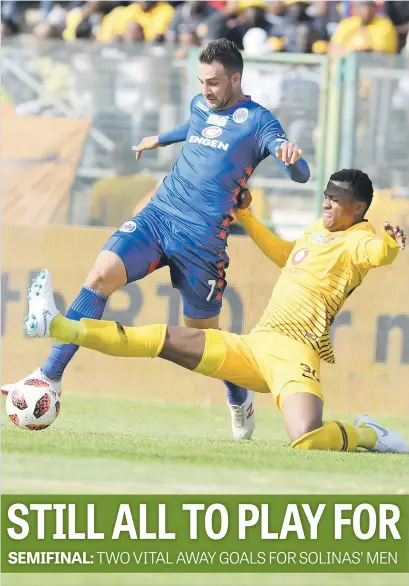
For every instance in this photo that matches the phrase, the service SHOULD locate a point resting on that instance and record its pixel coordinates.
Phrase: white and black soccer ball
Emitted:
(34, 405)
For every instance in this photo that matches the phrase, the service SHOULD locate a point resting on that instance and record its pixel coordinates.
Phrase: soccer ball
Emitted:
(34, 405)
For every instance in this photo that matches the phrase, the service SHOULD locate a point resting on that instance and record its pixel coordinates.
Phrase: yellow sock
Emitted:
(333, 435)
(65, 330)
(367, 437)
(110, 337)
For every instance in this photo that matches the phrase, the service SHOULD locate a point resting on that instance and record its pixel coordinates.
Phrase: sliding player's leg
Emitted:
(213, 353)
(292, 371)
(307, 430)
(302, 406)
(200, 277)
(129, 254)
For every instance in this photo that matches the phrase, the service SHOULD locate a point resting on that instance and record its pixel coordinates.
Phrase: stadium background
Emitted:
(71, 110)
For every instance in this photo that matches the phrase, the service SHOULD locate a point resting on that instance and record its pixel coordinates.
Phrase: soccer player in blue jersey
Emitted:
(186, 224)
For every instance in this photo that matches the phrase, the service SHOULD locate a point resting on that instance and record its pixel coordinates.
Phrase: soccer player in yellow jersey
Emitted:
(282, 353)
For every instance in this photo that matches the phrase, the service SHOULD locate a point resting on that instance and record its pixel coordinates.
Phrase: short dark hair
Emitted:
(225, 52)
(359, 181)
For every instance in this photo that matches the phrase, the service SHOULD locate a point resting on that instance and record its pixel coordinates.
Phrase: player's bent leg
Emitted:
(107, 276)
(129, 254)
(239, 400)
(292, 371)
(305, 427)
(307, 431)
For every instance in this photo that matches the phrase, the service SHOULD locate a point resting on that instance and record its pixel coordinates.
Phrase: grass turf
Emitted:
(112, 444)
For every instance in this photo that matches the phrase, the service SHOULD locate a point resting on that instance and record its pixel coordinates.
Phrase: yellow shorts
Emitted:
(263, 362)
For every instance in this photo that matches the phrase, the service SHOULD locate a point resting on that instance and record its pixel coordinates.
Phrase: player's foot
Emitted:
(388, 440)
(243, 420)
(35, 379)
(41, 306)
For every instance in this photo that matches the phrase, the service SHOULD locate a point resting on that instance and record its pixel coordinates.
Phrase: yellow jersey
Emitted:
(154, 22)
(379, 35)
(319, 271)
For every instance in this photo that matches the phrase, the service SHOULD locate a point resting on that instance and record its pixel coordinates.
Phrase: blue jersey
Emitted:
(185, 226)
(221, 151)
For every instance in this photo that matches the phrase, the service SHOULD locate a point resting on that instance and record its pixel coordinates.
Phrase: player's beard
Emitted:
(227, 101)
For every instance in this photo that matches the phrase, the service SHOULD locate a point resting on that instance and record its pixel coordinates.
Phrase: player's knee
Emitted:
(100, 280)
(106, 277)
(302, 411)
(301, 429)
(184, 346)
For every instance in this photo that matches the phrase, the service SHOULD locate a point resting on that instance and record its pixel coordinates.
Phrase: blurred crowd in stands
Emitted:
(257, 26)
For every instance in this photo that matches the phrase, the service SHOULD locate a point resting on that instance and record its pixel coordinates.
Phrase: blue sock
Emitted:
(235, 395)
(89, 303)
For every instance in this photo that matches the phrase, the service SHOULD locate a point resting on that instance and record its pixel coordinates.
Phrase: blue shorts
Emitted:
(152, 240)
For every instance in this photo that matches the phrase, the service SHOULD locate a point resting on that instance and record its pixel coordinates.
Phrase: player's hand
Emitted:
(244, 199)
(396, 233)
(288, 153)
(147, 144)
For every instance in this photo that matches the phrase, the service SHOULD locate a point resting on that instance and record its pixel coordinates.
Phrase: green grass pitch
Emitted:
(117, 444)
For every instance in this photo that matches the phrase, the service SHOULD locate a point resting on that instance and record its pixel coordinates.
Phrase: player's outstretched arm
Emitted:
(372, 252)
(274, 247)
(178, 134)
(166, 138)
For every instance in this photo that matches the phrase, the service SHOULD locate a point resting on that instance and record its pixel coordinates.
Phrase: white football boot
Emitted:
(388, 440)
(41, 311)
(35, 379)
(41, 307)
(243, 420)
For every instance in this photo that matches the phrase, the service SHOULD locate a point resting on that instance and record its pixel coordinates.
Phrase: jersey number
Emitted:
(309, 372)
(212, 283)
